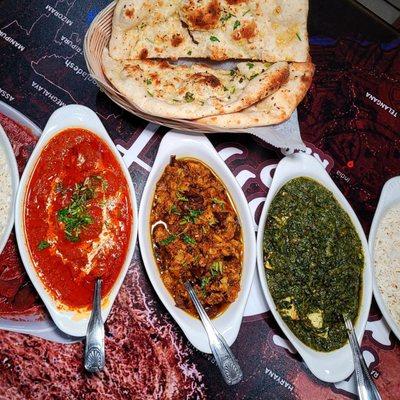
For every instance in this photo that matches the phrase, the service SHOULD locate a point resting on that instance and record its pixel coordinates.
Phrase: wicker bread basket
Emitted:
(96, 39)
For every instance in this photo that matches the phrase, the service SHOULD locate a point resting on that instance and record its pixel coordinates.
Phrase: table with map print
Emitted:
(349, 120)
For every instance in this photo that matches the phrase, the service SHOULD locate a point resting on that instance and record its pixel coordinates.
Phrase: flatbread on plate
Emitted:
(273, 30)
(166, 90)
(275, 108)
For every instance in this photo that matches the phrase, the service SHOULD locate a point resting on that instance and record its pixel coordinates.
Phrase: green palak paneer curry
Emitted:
(313, 260)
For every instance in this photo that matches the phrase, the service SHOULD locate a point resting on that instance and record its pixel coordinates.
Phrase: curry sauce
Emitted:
(196, 236)
(77, 217)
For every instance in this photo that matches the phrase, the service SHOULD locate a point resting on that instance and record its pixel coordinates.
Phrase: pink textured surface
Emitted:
(146, 358)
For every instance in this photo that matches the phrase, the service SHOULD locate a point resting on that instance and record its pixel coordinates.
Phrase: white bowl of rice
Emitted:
(9, 180)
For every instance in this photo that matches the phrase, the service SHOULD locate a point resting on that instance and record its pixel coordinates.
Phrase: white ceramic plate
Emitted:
(199, 147)
(71, 322)
(336, 365)
(14, 176)
(390, 196)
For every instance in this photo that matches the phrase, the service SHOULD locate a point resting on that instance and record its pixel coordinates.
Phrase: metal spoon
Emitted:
(94, 348)
(365, 385)
(224, 358)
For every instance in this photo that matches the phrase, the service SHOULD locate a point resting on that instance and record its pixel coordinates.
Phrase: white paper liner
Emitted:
(284, 136)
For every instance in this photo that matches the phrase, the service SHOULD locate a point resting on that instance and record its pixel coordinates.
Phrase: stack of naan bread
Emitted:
(255, 66)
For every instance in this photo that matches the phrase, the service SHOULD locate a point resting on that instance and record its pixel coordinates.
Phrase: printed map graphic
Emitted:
(349, 121)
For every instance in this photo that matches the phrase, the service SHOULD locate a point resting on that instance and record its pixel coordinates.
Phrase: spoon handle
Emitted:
(365, 385)
(224, 357)
(94, 348)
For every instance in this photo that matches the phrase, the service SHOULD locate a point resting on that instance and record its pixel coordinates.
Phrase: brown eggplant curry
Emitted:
(196, 236)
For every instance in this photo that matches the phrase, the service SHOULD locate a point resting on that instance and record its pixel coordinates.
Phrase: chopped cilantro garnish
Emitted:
(148, 81)
(174, 210)
(190, 217)
(226, 17)
(76, 216)
(250, 65)
(236, 24)
(189, 97)
(204, 282)
(43, 244)
(181, 197)
(188, 239)
(253, 76)
(232, 72)
(216, 268)
(150, 94)
(168, 240)
(189, 53)
(298, 36)
(215, 200)
(214, 39)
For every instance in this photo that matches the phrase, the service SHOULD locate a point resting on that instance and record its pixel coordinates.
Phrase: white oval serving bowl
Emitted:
(14, 179)
(198, 147)
(73, 116)
(390, 196)
(19, 118)
(336, 365)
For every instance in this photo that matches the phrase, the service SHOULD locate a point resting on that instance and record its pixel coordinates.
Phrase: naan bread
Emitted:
(189, 92)
(274, 109)
(265, 30)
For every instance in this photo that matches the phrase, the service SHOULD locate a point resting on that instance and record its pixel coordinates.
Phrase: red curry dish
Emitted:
(78, 217)
(196, 236)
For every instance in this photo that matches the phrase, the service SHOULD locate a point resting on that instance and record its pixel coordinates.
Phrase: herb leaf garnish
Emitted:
(204, 282)
(253, 76)
(236, 24)
(226, 17)
(181, 197)
(188, 239)
(174, 210)
(76, 216)
(191, 217)
(189, 97)
(168, 240)
(214, 39)
(43, 244)
(215, 200)
(216, 268)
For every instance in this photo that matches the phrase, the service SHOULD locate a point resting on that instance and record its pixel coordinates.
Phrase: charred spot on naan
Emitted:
(206, 79)
(235, 2)
(163, 64)
(129, 12)
(176, 39)
(246, 32)
(155, 79)
(201, 17)
(132, 68)
(143, 54)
